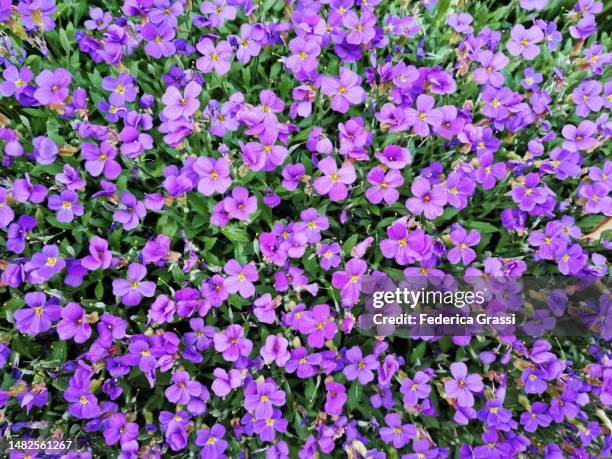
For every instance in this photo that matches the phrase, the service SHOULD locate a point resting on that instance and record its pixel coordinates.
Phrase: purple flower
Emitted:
(462, 385)
(117, 429)
(344, 91)
(214, 58)
(240, 278)
(226, 381)
(460, 22)
(529, 194)
(73, 324)
(17, 232)
(45, 150)
(581, 137)
(493, 448)
(334, 181)
(265, 154)
(537, 416)
(275, 350)
(329, 255)
(534, 381)
(16, 80)
(524, 42)
(100, 19)
(415, 389)
(46, 263)
(101, 160)
(39, 316)
(37, 14)
(427, 199)
(232, 343)
(240, 204)
(130, 211)
(318, 325)
(267, 428)
(335, 398)
(84, 405)
(359, 367)
(586, 97)
(491, 64)
(395, 433)
(217, 12)
(132, 289)
(99, 255)
(183, 388)
(596, 199)
(211, 441)
(349, 281)
(159, 40)
(213, 175)
(394, 157)
(570, 259)
(71, 178)
(66, 205)
(405, 247)
(361, 29)
(463, 241)
(122, 86)
(423, 116)
(262, 397)
(292, 174)
(181, 104)
(531, 5)
(488, 172)
(52, 86)
(6, 213)
(384, 186)
(303, 61)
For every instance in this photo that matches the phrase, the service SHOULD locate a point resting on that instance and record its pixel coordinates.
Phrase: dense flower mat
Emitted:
(192, 192)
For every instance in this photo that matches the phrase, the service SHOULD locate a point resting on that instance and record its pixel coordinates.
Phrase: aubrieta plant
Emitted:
(192, 194)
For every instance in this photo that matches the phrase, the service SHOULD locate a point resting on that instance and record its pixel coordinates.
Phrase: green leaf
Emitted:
(483, 227)
(99, 291)
(349, 244)
(354, 395)
(235, 234)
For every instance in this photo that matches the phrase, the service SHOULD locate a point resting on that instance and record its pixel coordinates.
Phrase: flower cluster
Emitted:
(194, 194)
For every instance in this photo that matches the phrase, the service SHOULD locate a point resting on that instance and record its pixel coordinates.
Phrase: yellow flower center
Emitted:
(36, 16)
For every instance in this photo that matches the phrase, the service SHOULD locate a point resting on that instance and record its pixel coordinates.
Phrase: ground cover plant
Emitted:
(192, 193)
